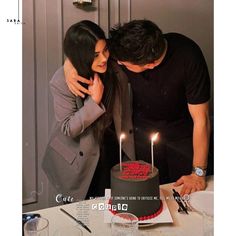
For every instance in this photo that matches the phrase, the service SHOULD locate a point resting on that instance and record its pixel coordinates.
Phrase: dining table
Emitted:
(182, 225)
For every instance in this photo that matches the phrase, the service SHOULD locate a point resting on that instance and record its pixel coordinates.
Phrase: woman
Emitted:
(74, 160)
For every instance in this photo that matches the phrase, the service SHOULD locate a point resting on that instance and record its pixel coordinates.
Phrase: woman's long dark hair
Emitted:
(79, 47)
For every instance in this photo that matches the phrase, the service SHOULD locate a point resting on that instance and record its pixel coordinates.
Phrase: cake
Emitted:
(135, 189)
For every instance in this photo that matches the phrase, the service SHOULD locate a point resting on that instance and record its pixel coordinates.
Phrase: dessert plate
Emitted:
(143, 225)
(202, 201)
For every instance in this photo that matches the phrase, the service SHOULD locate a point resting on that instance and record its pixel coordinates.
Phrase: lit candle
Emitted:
(153, 139)
(122, 136)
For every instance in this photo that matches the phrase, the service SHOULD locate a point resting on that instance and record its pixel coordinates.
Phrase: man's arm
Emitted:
(201, 134)
(72, 79)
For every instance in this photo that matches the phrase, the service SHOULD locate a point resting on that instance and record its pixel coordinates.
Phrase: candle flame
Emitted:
(155, 136)
(122, 136)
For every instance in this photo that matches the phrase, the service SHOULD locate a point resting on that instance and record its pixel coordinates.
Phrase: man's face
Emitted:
(139, 68)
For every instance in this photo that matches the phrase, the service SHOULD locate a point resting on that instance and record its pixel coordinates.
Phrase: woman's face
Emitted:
(101, 56)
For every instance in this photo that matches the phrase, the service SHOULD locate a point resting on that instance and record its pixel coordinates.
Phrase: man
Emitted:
(170, 94)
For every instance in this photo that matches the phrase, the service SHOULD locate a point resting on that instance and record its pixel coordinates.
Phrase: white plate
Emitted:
(202, 201)
(143, 225)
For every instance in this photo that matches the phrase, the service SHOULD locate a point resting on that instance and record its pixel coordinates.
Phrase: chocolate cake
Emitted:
(137, 188)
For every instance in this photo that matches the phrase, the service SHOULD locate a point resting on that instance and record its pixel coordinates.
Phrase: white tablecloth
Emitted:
(183, 224)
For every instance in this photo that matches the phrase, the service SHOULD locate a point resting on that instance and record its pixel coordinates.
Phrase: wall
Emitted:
(43, 32)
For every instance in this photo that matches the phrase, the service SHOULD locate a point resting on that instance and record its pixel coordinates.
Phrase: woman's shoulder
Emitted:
(58, 77)
(58, 80)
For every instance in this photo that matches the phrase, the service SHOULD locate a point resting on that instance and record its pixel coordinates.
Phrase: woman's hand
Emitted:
(96, 89)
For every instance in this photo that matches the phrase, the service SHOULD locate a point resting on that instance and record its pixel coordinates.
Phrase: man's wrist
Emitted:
(199, 171)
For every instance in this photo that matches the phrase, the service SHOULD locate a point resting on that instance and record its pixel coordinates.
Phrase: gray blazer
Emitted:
(73, 152)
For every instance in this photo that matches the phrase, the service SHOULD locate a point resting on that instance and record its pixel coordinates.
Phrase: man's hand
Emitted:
(191, 183)
(96, 89)
(72, 79)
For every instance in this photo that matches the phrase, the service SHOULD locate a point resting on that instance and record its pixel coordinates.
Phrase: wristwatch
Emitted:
(199, 171)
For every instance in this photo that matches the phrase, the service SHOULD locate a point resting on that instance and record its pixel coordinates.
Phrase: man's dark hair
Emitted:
(139, 42)
(79, 45)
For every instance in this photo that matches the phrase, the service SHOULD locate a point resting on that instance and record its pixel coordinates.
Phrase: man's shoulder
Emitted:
(183, 45)
(175, 35)
(180, 40)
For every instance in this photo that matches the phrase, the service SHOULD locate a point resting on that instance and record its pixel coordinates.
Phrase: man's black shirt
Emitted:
(161, 95)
